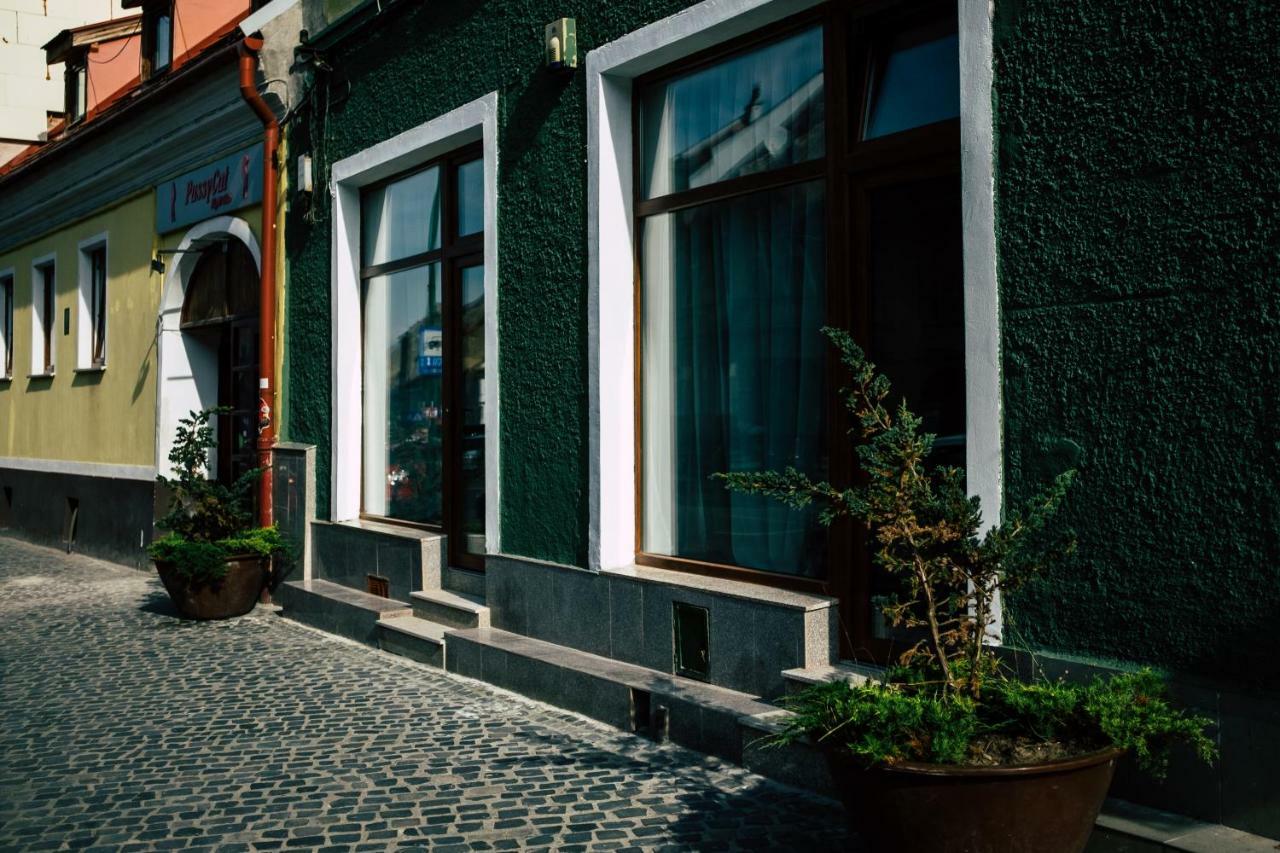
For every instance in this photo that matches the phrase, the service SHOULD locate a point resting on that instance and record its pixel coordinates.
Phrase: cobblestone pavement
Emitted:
(123, 727)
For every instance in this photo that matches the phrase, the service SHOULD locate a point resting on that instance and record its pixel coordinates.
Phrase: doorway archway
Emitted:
(218, 261)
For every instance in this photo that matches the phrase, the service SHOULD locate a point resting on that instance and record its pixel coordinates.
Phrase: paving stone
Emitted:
(128, 728)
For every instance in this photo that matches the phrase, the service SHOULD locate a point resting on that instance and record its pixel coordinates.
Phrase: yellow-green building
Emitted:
(130, 250)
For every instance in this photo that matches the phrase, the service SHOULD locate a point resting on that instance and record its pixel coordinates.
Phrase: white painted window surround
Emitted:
(610, 69)
(38, 320)
(477, 120)
(84, 300)
(7, 298)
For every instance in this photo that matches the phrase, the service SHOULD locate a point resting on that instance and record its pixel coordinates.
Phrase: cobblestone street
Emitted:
(127, 728)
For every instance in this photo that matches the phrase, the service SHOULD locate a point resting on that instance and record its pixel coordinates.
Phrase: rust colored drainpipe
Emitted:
(267, 286)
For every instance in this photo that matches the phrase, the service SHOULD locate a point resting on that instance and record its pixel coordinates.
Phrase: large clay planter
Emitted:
(233, 595)
(936, 808)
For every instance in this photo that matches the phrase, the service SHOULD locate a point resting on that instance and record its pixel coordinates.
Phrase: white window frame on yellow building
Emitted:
(39, 369)
(84, 311)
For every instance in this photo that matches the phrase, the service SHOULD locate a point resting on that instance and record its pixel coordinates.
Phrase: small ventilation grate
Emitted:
(692, 641)
(378, 585)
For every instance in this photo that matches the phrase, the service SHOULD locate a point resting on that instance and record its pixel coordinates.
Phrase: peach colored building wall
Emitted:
(197, 20)
(112, 66)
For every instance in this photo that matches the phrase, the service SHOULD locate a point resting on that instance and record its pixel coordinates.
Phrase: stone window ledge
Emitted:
(723, 586)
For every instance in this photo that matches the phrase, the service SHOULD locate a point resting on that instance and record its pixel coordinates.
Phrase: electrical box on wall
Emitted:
(304, 174)
(562, 45)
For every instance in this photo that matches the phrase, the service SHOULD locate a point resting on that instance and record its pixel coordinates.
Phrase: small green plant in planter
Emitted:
(212, 561)
(951, 751)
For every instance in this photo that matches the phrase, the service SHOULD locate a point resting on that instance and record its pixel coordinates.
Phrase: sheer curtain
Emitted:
(733, 367)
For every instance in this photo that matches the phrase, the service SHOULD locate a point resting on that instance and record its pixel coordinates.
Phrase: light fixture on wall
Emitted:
(562, 45)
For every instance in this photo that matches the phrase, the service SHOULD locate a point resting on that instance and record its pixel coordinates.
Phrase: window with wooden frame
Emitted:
(6, 325)
(43, 286)
(157, 38)
(91, 327)
(422, 294)
(77, 87)
(802, 176)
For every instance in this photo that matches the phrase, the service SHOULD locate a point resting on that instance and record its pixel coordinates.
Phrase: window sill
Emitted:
(48, 375)
(97, 368)
(6, 379)
(723, 586)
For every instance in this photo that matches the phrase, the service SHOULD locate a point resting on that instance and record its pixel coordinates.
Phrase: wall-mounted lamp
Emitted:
(562, 45)
(304, 173)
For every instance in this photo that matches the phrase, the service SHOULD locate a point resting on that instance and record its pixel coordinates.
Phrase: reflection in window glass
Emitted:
(733, 301)
(163, 42)
(917, 304)
(403, 394)
(471, 351)
(754, 112)
(470, 198)
(916, 82)
(401, 218)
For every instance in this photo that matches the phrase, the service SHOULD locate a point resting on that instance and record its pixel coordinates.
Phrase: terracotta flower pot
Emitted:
(937, 808)
(233, 595)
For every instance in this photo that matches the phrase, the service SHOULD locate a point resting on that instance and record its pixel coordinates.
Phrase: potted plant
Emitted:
(951, 751)
(213, 562)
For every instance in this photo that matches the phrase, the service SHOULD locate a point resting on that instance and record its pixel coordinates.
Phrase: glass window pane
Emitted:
(471, 491)
(733, 303)
(470, 198)
(163, 42)
(401, 218)
(403, 395)
(917, 304)
(914, 83)
(756, 111)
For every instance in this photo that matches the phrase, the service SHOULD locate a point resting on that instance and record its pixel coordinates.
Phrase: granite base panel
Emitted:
(115, 520)
(329, 614)
(346, 554)
(751, 641)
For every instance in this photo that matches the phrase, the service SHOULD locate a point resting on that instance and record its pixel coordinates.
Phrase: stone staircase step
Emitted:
(413, 638)
(348, 552)
(457, 610)
(698, 715)
(854, 673)
(338, 609)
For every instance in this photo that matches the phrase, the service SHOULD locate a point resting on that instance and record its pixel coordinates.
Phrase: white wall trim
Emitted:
(104, 470)
(477, 120)
(6, 309)
(38, 318)
(84, 319)
(610, 245)
(268, 13)
(984, 461)
(187, 369)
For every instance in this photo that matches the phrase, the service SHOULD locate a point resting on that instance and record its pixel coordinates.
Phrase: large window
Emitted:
(424, 357)
(797, 178)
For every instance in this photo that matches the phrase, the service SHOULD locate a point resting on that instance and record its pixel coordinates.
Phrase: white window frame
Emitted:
(477, 120)
(7, 330)
(84, 309)
(37, 316)
(610, 70)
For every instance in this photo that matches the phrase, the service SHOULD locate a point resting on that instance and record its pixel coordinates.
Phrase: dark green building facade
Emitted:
(1114, 178)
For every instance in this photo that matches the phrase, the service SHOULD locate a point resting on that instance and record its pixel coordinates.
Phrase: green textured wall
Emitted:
(1138, 196)
(420, 62)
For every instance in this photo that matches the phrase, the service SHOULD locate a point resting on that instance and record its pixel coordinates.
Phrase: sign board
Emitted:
(224, 185)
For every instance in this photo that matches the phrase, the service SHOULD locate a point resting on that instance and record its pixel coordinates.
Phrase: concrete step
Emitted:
(348, 552)
(414, 638)
(453, 609)
(338, 609)
(697, 715)
(854, 673)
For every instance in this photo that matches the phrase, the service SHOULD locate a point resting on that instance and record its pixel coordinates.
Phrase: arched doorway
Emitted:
(190, 331)
(220, 309)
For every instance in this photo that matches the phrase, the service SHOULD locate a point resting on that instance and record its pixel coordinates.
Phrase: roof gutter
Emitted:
(249, 49)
